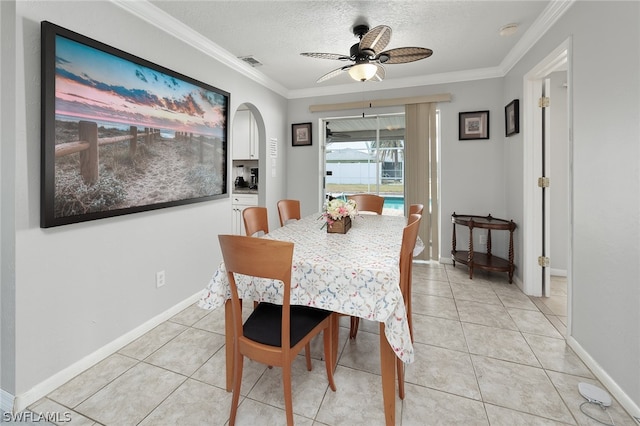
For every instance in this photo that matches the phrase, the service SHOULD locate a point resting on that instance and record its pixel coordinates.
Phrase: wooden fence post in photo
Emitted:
(133, 145)
(88, 132)
(147, 135)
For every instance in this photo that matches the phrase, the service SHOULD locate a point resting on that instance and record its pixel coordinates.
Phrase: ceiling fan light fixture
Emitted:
(363, 72)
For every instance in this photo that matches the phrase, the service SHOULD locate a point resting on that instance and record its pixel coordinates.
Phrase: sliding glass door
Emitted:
(366, 155)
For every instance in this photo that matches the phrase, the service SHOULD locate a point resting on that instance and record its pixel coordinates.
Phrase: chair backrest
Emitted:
(288, 210)
(258, 257)
(368, 202)
(255, 220)
(409, 238)
(416, 209)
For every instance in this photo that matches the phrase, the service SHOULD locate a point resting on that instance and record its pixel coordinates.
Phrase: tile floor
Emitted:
(486, 354)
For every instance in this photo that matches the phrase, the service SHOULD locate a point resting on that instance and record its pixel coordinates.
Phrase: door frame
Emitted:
(532, 158)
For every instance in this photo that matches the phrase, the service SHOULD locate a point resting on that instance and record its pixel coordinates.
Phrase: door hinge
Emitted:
(543, 182)
(543, 261)
(543, 102)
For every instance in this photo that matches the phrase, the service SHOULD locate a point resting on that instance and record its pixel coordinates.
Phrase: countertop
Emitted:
(244, 191)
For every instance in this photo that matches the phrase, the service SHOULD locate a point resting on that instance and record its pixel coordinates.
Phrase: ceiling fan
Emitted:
(368, 55)
(329, 134)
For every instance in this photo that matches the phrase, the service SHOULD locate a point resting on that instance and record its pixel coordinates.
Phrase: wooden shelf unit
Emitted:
(485, 261)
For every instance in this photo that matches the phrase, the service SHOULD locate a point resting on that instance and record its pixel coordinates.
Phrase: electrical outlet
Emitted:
(483, 240)
(159, 279)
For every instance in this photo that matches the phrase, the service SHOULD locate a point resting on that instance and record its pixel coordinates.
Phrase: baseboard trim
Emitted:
(627, 403)
(22, 401)
(558, 272)
(6, 401)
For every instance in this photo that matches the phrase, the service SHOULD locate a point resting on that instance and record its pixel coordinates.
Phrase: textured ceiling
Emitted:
(464, 34)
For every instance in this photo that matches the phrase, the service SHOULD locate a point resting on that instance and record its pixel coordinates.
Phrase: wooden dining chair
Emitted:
(272, 334)
(368, 202)
(288, 210)
(409, 238)
(416, 209)
(255, 220)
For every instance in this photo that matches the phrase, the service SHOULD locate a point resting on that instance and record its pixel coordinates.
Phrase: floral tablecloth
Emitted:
(356, 273)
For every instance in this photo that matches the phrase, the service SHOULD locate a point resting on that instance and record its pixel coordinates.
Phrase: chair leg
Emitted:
(400, 368)
(237, 381)
(353, 330)
(327, 335)
(307, 355)
(288, 402)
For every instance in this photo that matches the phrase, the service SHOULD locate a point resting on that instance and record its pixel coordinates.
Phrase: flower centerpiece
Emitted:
(338, 214)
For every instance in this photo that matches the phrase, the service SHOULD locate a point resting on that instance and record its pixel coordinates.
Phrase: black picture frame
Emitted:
(121, 135)
(512, 118)
(301, 134)
(473, 125)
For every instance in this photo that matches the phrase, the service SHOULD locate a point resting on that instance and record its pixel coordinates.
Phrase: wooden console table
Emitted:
(486, 261)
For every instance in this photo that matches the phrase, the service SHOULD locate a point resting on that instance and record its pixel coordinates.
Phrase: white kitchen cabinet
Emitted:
(239, 202)
(245, 136)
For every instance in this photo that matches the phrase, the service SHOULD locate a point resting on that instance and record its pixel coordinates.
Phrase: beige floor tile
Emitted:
(187, 352)
(92, 380)
(61, 414)
(507, 345)
(519, 387)
(441, 332)
(559, 323)
(357, 400)
(516, 299)
(481, 313)
(435, 306)
(554, 354)
(253, 413)
(362, 353)
(429, 273)
(193, 403)
(189, 316)
(432, 287)
(567, 386)
(533, 322)
(153, 340)
(308, 387)
(504, 416)
(444, 370)
(427, 406)
(477, 292)
(129, 398)
(213, 372)
(557, 304)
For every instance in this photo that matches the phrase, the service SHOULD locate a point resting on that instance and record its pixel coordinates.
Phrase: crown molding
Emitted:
(158, 18)
(149, 13)
(554, 10)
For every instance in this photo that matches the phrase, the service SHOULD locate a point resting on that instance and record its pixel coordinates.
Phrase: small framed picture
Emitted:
(473, 125)
(512, 118)
(301, 134)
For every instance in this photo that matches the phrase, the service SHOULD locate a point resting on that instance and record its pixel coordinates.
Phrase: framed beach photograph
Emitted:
(122, 135)
(301, 134)
(512, 118)
(473, 125)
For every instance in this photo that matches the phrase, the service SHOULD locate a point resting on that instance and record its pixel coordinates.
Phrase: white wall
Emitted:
(80, 287)
(472, 171)
(604, 269)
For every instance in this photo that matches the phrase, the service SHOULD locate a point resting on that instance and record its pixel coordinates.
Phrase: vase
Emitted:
(340, 226)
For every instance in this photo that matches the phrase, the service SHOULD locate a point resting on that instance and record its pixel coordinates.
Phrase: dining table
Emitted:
(356, 274)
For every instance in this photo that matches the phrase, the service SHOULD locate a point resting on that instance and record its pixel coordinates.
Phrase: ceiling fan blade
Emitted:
(403, 55)
(333, 73)
(335, 56)
(380, 74)
(376, 39)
